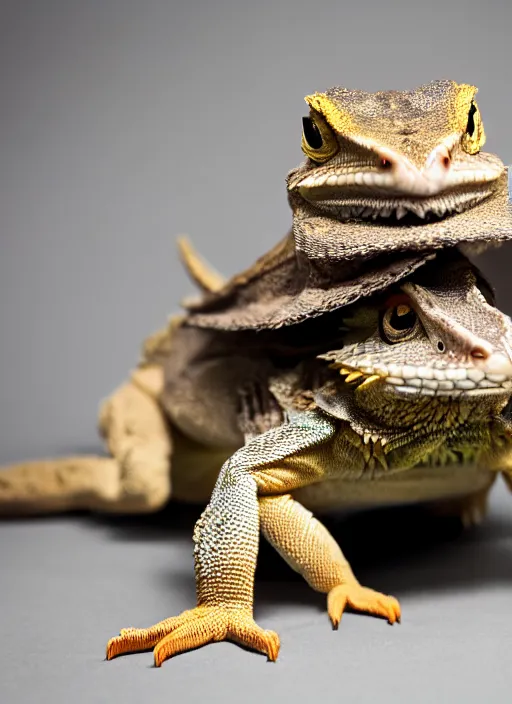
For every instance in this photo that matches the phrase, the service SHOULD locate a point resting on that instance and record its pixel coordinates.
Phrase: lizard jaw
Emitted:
(420, 380)
(368, 206)
(366, 190)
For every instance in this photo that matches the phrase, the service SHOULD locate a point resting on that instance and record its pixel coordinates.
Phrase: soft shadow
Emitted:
(404, 550)
(175, 521)
(409, 550)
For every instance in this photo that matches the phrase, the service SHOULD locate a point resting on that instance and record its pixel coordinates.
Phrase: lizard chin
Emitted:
(344, 207)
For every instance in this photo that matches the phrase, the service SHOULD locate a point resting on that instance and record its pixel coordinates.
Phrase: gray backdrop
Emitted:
(122, 124)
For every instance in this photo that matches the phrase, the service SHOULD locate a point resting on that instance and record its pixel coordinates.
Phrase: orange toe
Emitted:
(361, 599)
(193, 629)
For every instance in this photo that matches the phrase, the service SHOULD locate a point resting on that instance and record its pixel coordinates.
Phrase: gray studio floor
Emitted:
(69, 583)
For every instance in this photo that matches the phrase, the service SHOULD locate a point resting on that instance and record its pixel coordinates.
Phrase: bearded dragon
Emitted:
(399, 398)
(389, 177)
(376, 155)
(409, 408)
(245, 394)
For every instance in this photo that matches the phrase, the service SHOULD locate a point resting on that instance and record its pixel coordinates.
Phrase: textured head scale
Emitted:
(373, 155)
(438, 335)
(372, 158)
(411, 122)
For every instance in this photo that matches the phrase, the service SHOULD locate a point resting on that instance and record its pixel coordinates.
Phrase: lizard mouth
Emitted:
(448, 381)
(368, 205)
(399, 190)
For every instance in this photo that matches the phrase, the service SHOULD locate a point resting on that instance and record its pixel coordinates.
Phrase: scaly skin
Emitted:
(389, 179)
(354, 432)
(405, 419)
(354, 436)
(365, 430)
(374, 155)
(226, 538)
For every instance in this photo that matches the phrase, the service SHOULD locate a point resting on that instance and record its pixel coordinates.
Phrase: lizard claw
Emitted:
(361, 599)
(192, 629)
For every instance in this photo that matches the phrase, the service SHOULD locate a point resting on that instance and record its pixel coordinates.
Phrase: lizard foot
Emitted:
(361, 599)
(192, 629)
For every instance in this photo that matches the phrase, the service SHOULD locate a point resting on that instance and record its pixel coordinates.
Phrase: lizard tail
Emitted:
(135, 478)
(64, 484)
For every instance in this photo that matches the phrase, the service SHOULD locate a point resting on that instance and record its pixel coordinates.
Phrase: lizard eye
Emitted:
(474, 136)
(399, 323)
(311, 133)
(319, 142)
(470, 127)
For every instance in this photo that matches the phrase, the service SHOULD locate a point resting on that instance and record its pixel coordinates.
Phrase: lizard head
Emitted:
(391, 153)
(437, 336)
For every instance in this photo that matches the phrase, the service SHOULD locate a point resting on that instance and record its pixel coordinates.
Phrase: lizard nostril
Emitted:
(446, 161)
(479, 353)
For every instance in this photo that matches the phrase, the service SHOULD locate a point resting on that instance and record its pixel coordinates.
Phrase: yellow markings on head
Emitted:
(452, 110)
(329, 120)
(463, 98)
(338, 119)
(467, 119)
(474, 136)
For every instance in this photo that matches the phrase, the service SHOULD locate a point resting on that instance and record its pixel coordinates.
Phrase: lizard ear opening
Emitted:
(473, 138)
(319, 142)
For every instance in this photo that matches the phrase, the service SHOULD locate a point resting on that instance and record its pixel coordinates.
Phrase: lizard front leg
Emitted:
(226, 547)
(311, 551)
